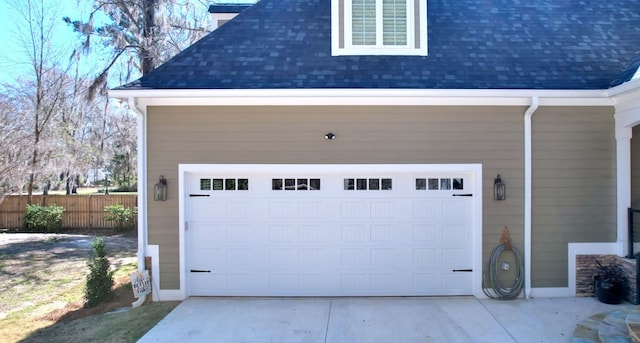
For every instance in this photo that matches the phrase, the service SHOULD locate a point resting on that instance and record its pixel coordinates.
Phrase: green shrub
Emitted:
(100, 278)
(124, 217)
(43, 218)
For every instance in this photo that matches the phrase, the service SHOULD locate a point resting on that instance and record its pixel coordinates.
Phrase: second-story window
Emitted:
(379, 27)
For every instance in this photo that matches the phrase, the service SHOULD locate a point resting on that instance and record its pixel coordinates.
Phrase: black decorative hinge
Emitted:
(463, 195)
(200, 271)
(199, 195)
(462, 270)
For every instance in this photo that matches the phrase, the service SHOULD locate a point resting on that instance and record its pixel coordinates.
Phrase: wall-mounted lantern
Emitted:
(160, 190)
(329, 136)
(499, 189)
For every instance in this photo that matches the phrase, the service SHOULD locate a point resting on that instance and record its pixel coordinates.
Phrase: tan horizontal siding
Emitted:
(492, 136)
(574, 182)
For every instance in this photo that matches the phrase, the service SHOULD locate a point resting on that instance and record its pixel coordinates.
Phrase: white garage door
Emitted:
(329, 233)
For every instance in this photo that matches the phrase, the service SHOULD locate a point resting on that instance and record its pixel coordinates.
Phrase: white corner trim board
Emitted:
(158, 293)
(141, 128)
(528, 192)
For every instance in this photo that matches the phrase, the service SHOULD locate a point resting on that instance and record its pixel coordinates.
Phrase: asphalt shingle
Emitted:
(473, 44)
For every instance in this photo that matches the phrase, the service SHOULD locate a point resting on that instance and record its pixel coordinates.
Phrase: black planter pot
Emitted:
(608, 292)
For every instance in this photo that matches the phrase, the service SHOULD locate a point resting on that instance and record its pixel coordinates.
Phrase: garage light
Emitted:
(329, 136)
(499, 189)
(160, 190)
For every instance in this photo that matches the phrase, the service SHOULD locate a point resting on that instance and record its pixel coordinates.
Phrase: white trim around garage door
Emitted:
(475, 169)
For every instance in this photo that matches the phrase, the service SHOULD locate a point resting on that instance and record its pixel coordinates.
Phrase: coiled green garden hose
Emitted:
(491, 284)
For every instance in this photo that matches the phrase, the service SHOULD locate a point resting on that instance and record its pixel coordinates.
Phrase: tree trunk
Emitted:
(34, 161)
(147, 31)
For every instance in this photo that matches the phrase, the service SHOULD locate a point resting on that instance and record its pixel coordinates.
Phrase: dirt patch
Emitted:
(122, 299)
(42, 276)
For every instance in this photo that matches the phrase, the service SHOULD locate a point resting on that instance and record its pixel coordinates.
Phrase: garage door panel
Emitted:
(426, 257)
(204, 283)
(283, 257)
(384, 233)
(455, 257)
(355, 233)
(383, 257)
(283, 233)
(312, 283)
(425, 210)
(207, 233)
(425, 232)
(240, 209)
(354, 257)
(355, 210)
(310, 257)
(283, 209)
(383, 282)
(329, 242)
(206, 261)
(454, 232)
(455, 279)
(309, 209)
(314, 233)
(208, 210)
(383, 209)
(452, 208)
(245, 283)
(284, 282)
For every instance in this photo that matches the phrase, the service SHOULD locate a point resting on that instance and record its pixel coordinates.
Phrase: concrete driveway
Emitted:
(432, 319)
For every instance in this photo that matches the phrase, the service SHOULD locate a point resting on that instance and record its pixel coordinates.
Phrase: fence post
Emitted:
(90, 212)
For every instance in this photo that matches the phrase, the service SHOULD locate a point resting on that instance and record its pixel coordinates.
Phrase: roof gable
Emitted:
(473, 44)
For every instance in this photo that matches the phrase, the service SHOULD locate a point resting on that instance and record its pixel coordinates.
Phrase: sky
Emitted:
(12, 52)
(13, 56)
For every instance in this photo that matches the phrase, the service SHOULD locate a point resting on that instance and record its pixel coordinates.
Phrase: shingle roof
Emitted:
(473, 44)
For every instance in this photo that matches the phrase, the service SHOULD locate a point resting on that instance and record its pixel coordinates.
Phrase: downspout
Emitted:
(142, 182)
(528, 192)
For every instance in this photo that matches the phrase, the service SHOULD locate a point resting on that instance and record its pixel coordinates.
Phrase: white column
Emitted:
(623, 186)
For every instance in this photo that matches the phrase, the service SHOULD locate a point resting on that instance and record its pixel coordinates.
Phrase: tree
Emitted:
(100, 279)
(43, 91)
(141, 33)
(14, 138)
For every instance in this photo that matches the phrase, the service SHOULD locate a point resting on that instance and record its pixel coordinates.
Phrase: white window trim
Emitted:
(379, 49)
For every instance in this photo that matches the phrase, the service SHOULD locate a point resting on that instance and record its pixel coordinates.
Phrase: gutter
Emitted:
(357, 97)
(528, 192)
(142, 182)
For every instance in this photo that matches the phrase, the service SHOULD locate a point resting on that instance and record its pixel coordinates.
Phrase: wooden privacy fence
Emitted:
(80, 211)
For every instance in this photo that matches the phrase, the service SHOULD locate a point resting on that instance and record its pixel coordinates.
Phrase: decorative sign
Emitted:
(141, 283)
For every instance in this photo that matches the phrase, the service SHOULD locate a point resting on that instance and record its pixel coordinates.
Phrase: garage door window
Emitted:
(224, 184)
(301, 184)
(371, 184)
(439, 184)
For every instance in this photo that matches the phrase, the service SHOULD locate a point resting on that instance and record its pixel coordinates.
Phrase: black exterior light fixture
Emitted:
(499, 189)
(160, 190)
(329, 136)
